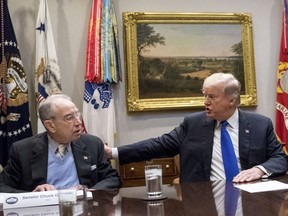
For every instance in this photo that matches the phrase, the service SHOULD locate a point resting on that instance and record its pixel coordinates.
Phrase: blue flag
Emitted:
(14, 113)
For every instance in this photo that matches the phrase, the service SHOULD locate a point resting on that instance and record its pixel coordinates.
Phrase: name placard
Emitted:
(19, 200)
(54, 210)
(33, 211)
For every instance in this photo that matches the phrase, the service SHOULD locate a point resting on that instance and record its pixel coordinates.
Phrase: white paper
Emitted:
(270, 185)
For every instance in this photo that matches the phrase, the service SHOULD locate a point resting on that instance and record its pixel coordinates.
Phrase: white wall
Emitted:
(70, 21)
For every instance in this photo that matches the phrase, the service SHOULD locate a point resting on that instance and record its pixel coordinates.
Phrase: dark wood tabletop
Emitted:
(198, 198)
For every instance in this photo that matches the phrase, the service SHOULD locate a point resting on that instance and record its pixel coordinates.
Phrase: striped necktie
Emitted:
(61, 151)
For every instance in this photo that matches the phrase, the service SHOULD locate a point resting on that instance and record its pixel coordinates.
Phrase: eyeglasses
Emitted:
(70, 117)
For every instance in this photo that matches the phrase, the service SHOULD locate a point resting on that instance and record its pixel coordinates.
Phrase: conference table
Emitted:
(184, 199)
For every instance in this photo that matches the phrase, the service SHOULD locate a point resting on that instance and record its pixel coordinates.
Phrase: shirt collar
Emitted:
(54, 145)
(233, 120)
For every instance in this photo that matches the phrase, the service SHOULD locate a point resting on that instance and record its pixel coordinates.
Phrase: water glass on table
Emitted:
(67, 196)
(72, 201)
(153, 179)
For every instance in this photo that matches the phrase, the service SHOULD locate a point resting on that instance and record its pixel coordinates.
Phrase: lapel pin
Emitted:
(85, 157)
(246, 131)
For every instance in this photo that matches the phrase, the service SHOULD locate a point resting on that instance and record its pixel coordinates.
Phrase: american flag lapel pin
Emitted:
(247, 131)
(85, 157)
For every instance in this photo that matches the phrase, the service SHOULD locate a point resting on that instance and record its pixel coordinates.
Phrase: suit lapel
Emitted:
(244, 139)
(207, 142)
(207, 145)
(82, 161)
(39, 161)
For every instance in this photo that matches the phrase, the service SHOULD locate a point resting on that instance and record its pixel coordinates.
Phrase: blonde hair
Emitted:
(232, 86)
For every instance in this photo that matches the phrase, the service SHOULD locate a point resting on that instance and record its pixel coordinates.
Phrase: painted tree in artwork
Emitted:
(238, 67)
(147, 37)
(237, 49)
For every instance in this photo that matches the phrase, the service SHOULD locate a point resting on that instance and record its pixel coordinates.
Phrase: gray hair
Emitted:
(47, 108)
(232, 86)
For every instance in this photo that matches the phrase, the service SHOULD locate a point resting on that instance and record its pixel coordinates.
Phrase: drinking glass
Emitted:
(153, 178)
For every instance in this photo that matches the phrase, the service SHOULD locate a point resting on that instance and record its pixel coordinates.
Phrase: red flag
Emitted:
(102, 72)
(93, 69)
(282, 84)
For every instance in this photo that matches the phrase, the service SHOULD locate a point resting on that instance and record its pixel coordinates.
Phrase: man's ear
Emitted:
(232, 101)
(49, 125)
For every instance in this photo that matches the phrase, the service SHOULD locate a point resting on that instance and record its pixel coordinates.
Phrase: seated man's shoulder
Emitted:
(29, 141)
(256, 116)
(88, 137)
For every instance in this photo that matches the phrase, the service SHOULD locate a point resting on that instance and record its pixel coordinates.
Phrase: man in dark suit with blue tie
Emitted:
(198, 139)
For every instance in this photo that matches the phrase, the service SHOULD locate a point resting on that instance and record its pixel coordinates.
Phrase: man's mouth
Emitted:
(77, 131)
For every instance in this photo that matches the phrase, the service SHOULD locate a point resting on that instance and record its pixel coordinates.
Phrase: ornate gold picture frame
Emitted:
(168, 55)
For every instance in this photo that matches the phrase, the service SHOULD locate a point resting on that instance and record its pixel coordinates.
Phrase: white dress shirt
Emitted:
(217, 166)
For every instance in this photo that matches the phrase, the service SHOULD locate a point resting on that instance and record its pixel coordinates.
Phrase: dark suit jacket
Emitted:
(193, 140)
(28, 162)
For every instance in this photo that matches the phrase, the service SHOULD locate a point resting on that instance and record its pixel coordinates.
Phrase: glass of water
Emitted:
(153, 178)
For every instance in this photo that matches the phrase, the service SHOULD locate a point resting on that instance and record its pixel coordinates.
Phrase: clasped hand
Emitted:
(48, 187)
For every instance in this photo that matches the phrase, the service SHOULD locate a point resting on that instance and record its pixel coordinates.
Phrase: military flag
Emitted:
(102, 72)
(14, 113)
(47, 75)
(282, 83)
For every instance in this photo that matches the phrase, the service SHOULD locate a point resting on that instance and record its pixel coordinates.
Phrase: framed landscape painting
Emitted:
(168, 56)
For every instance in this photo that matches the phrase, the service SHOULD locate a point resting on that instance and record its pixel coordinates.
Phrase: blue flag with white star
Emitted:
(14, 113)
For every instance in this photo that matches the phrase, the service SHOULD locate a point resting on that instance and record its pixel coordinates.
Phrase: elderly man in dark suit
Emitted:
(198, 139)
(38, 163)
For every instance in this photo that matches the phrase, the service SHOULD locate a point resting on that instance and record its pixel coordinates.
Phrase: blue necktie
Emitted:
(228, 154)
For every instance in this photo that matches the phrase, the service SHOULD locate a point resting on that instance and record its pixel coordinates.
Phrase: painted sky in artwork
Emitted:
(196, 40)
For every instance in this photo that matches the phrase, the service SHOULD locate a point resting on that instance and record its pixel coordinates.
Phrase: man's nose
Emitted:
(78, 121)
(206, 100)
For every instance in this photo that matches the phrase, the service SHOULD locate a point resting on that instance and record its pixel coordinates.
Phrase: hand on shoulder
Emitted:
(108, 151)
